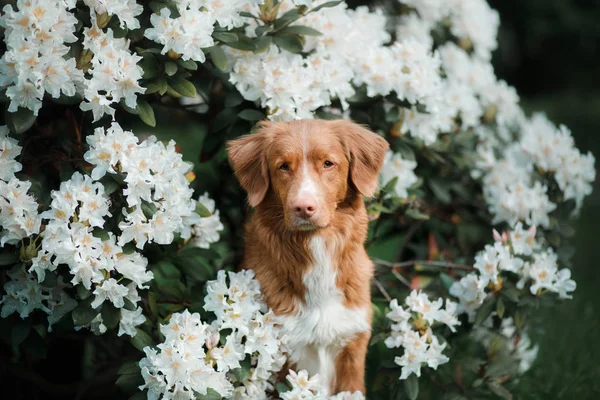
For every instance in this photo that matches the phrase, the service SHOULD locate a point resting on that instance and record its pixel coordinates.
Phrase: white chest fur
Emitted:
(322, 324)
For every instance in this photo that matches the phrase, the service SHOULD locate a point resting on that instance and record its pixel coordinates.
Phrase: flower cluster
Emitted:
(37, 36)
(19, 217)
(125, 10)
(515, 252)
(159, 187)
(206, 230)
(513, 187)
(412, 330)
(197, 356)
(24, 294)
(291, 86)
(400, 169)
(38, 60)
(309, 388)
(518, 343)
(473, 22)
(158, 205)
(113, 72)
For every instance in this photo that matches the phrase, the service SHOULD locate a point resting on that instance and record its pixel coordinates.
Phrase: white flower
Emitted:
(415, 348)
(522, 241)
(133, 267)
(229, 356)
(206, 230)
(420, 303)
(187, 34)
(129, 320)
(448, 315)
(396, 167)
(9, 151)
(113, 291)
(125, 10)
(470, 291)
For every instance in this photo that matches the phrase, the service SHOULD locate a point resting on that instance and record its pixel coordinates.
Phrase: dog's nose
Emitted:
(305, 209)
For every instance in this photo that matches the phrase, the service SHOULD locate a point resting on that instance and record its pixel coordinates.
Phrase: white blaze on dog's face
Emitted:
(307, 167)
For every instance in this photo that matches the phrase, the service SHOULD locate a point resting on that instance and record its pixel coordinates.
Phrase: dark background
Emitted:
(549, 50)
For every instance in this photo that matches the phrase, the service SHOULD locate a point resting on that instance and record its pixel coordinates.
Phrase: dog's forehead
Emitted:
(305, 137)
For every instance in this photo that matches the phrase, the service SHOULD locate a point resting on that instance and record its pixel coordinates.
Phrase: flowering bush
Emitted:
(124, 234)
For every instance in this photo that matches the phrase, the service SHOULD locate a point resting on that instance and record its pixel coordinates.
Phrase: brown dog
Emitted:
(305, 241)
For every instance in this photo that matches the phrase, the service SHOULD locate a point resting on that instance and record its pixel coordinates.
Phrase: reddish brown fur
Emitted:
(279, 254)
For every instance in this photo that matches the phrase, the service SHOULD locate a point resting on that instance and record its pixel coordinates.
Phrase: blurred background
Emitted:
(550, 51)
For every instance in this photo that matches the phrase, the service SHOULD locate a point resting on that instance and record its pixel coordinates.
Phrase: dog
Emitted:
(305, 240)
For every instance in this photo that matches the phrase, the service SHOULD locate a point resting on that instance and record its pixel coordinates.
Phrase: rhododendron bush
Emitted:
(121, 221)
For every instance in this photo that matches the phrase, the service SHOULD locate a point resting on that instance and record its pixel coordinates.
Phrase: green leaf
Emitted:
(500, 308)
(129, 306)
(130, 368)
(20, 121)
(291, 43)
(146, 113)
(110, 315)
(150, 66)
(170, 68)
(485, 310)
(281, 388)
(441, 190)
(152, 303)
(447, 281)
(8, 258)
(130, 377)
(243, 372)
(511, 294)
(416, 214)
(263, 43)
(141, 340)
(251, 115)
(195, 263)
(286, 18)
(183, 87)
(202, 211)
(233, 99)
(218, 57)
(225, 37)
(326, 5)
(83, 314)
(499, 390)
(50, 280)
(155, 86)
(82, 292)
(300, 30)
(262, 29)
(243, 43)
(411, 387)
(520, 319)
(20, 331)
(210, 395)
(188, 64)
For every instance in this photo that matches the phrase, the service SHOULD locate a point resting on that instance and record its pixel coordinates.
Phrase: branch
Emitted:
(439, 264)
(382, 290)
(401, 279)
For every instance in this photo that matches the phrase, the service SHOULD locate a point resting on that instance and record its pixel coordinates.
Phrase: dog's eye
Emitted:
(284, 167)
(328, 164)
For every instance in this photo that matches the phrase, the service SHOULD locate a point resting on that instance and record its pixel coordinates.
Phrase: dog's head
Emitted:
(307, 167)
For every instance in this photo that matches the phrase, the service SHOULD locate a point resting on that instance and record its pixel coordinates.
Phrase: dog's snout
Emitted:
(305, 208)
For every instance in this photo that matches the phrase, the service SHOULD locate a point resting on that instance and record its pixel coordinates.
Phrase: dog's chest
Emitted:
(322, 318)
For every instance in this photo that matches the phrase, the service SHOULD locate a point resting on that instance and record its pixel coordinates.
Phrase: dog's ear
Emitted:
(366, 151)
(247, 158)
